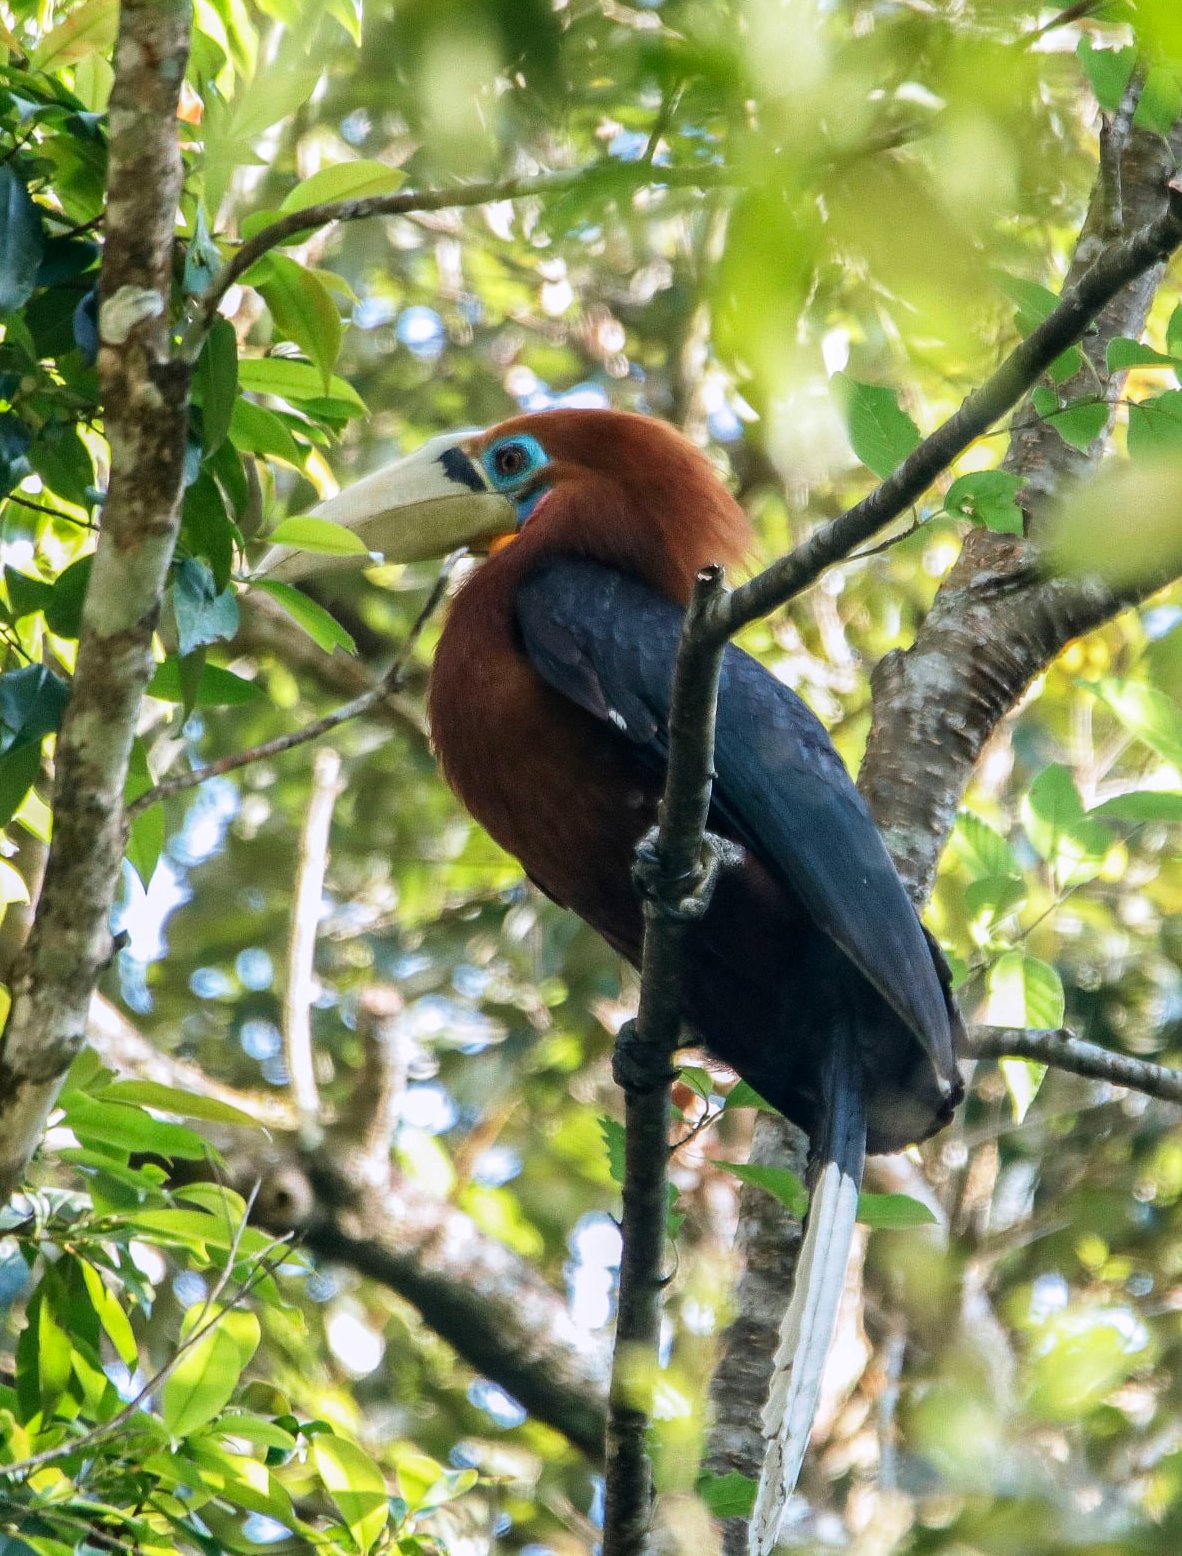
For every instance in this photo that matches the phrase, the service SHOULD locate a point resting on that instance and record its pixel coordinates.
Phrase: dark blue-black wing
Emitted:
(609, 643)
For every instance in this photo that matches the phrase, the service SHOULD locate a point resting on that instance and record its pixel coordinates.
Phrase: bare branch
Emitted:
(145, 399)
(1114, 268)
(301, 945)
(615, 177)
(1062, 1050)
(675, 882)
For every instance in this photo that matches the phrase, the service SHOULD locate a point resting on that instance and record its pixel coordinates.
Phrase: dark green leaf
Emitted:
(203, 615)
(19, 769)
(32, 700)
(215, 383)
(63, 613)
(131, 1129)
(22, 240)
(15, 441)
(1080, 424)
(25, 594)
(208, 530)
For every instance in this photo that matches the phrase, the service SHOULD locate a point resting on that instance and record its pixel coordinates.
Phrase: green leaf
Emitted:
(304, 312)
(985, 851)
(32, 700)
(19, 769)
(992, 897)
(297, 381)
(207, 1374)
(1146, 805)
(320, 626)
(1124, 353)
(216, 687)
(319, 535)
(1033, 301)
(54, 1351)
(345, 181)
(170, 1099)
(1108, 71)
(256, 430)
(215, 383)
(88, 29)
(893, 1212)
(131, 1129)
(203, 615)
(1160, 101)
(1080, 424)
(1023, 1078)
(1154, 718)
(355, 1484)
(1023, 992)
(1054, 820)
(1155, 426)
(1174, 333)
(613, 1138)
(22, 241)
(728, 1496)
(111, 1316)
(699, 1081)
(881, 433)
(777, 1181)
(987, 497)
(741, 1095)
(26, 594)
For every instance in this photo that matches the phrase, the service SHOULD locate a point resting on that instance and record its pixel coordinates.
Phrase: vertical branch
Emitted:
(301, 944)
(675, 881)
(145, 403)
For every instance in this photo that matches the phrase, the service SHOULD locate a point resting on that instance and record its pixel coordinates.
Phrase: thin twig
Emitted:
(674, 884)
(388, 686)
(1079, 305)
(1062, 1050)
(301, 945)
(616, 177)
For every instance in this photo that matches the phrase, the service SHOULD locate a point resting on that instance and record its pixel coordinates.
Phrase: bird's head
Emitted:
(626, 490)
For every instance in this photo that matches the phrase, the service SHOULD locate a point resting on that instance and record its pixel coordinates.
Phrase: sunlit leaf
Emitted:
(1146, 713)
(296, 381)
(202, 1382)
(355, 1484)
(893, 1212)
(1023, 992)
(777, 1181)
(304, 312)
(321, 627)
(319, 535)
(344, 181)
(87, 29)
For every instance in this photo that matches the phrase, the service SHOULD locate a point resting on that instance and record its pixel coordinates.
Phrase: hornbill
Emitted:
(810, 973)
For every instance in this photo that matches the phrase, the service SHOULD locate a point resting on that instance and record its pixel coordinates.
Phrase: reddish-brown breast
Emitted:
(563, 792)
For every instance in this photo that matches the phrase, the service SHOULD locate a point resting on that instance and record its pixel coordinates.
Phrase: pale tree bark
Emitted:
(145, 399)
(997, 622)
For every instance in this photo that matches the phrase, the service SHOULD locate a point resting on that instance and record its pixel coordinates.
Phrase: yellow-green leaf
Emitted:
(88, 30)
(207, 1374)
(320, 535)
(304, 312)
(355, 1484)
(345, 181)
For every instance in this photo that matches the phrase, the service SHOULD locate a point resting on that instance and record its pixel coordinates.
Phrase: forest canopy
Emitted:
(353, 1291)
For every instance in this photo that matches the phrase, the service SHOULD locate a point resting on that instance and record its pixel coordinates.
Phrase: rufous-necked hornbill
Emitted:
(810, 973)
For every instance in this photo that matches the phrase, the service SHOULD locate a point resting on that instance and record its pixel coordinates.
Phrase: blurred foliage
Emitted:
(907, 183)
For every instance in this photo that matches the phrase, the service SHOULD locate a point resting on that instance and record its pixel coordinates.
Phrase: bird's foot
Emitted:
(637, 1066)
(684, 899)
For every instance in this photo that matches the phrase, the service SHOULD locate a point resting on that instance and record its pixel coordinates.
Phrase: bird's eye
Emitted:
(510, 460)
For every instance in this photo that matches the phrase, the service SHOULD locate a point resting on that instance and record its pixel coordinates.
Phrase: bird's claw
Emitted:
(636, 1065)
(669, 899)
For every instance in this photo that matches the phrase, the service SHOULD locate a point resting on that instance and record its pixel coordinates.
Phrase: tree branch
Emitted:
(675, 882)
(616, 178)
(1114, 268)
(1062, 1050)
(145, 399)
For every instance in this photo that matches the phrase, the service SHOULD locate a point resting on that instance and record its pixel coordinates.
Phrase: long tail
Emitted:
(838, 1154)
